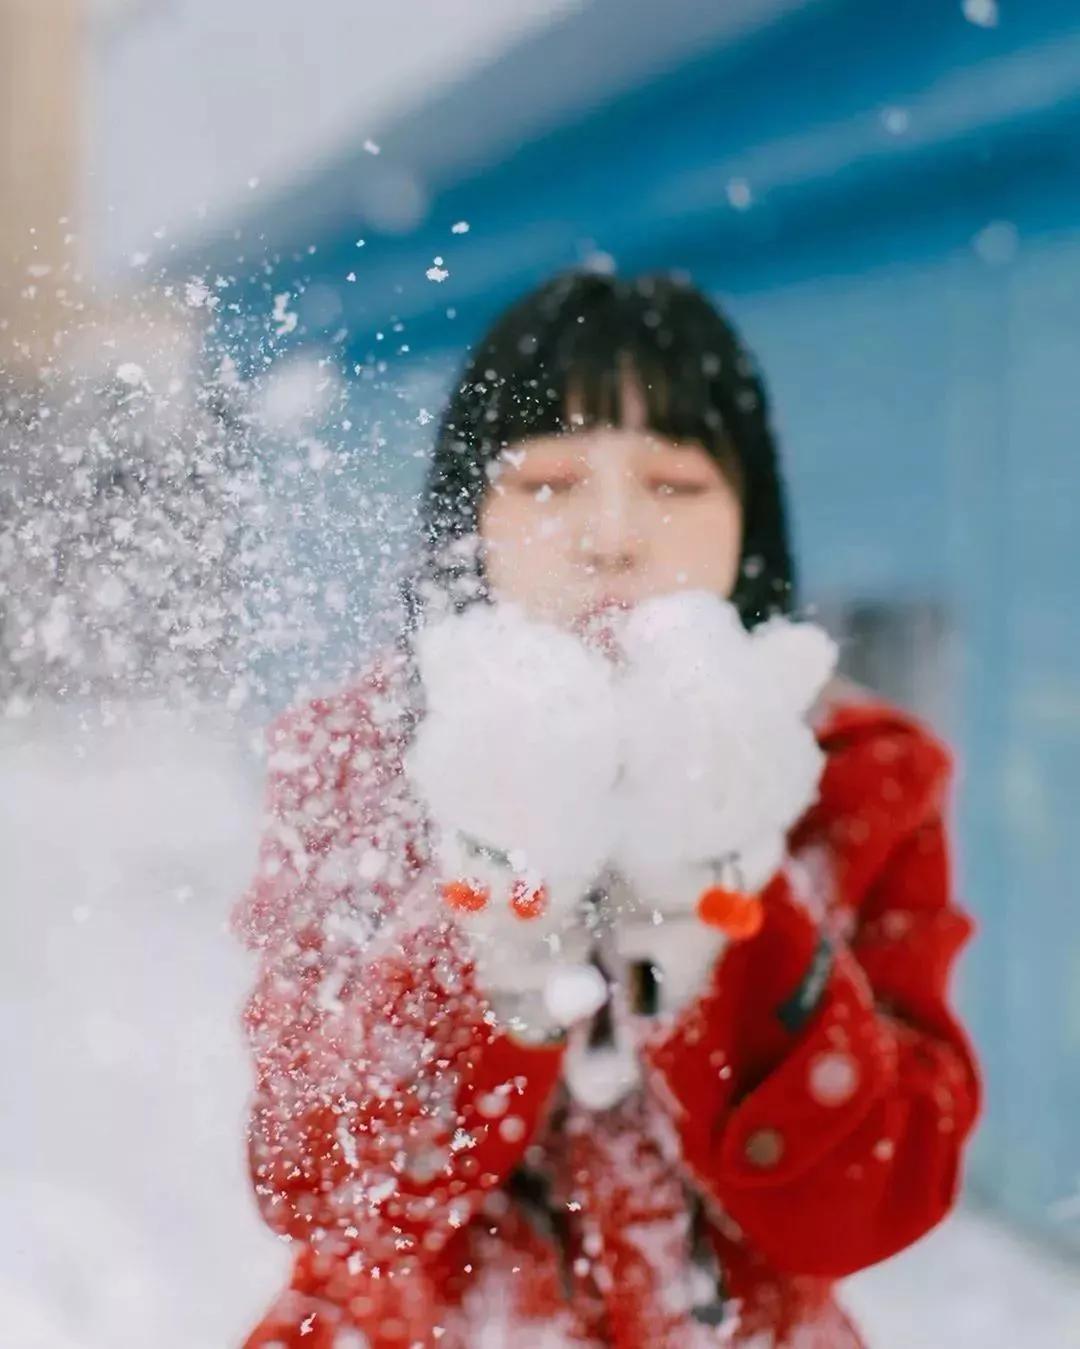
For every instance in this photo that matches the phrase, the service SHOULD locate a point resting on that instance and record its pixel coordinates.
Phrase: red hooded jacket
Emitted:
(804, 1116)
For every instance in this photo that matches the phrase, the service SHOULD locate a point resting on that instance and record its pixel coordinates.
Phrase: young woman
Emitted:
(803, 1113)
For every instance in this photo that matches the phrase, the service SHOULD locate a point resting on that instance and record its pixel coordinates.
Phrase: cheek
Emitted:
(525, 544)
(701, 545)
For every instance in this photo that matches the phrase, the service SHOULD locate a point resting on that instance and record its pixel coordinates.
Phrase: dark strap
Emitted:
(712, 1311)
(804, 1002)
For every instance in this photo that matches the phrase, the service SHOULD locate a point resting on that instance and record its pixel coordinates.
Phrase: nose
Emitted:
(608, 561)
(612, 542)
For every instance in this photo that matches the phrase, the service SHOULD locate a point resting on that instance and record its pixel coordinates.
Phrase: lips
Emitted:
(598, 624)
(607, 606)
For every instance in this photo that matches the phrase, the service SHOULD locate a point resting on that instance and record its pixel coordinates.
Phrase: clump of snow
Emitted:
(719, 759)
(982, 13)
(285, 318)
(598, 1078)
(574, 992)
(895, 120)
(997, 243)
(130, 373)
(518, 747)
(739, 194)
(198, 295)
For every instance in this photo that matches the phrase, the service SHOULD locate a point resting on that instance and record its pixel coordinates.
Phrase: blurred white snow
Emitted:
(971, 1284)
(127, 1217)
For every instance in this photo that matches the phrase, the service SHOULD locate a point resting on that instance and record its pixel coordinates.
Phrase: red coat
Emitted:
(804, 1116)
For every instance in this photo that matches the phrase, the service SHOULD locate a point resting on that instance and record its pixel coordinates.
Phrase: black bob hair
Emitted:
(562, 351)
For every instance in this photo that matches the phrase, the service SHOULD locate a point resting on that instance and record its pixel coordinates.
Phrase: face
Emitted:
(608, 516)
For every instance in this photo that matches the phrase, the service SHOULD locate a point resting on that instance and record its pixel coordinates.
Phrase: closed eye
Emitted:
(670, 487)
(551, 484)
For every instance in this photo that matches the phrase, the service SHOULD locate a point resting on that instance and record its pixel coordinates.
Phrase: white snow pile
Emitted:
(718, 756)
(128, 1213)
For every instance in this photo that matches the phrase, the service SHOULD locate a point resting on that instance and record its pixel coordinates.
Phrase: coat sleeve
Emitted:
(385, 1103)
(830, 1126)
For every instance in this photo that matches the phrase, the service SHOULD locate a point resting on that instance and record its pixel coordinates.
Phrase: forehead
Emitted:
(589, 443)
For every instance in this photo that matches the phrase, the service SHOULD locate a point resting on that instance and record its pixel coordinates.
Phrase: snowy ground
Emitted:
(971, 1284)
(126, 1216)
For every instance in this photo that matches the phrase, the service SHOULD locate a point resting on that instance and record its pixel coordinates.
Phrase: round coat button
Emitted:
(764, 1148)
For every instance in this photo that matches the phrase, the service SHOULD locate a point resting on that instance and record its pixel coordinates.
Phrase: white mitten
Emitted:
(515, 760)
(719, 763)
